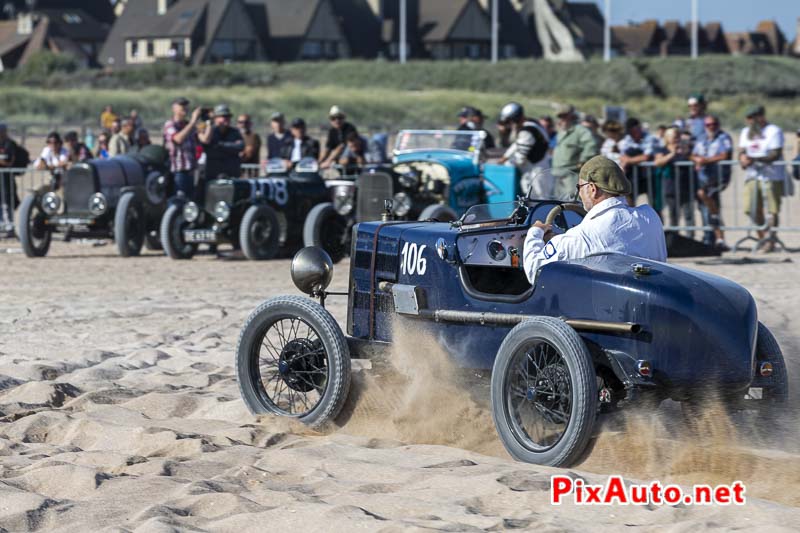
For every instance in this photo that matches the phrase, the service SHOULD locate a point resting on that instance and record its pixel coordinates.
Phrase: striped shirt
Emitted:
(182, 157)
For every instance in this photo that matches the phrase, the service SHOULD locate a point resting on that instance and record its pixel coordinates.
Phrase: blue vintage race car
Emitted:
(589, 336)
(434, 174)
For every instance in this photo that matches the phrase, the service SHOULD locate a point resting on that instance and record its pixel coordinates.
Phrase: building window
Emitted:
(311, 50)
(134, 49)
(473, 51)
(151, 49)
(331, 49)
(509, 51)
(232, 50)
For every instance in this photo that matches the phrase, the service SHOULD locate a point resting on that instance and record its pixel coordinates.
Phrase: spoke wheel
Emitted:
(544, 393)
(292, 360)
(539, 395)
(294, 377)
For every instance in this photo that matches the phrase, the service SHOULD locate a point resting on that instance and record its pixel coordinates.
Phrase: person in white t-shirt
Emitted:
(54, 156)
(761, 145)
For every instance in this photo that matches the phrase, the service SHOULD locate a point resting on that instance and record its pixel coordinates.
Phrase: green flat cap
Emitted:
(755, 110)
(606, 174)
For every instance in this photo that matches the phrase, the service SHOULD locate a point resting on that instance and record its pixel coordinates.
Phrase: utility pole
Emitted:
(607, 33)
(403, 36)
(695, 29)
(495, 31)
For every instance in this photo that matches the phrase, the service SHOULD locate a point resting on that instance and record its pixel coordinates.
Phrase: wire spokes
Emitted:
(293, 366)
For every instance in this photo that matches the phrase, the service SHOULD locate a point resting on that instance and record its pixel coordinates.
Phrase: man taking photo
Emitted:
(222, 144)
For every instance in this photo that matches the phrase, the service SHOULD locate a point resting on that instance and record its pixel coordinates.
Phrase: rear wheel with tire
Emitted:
(327, 229)
(129, 228)
(172, 226)
(544, 393)
(259, 232)
(438, 212)
(34, 235)
(292, 360)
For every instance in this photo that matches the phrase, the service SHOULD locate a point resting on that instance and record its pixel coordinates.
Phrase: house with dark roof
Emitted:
(748, 43)
(710, 38)
(777, 40)
(676, 40)
(68, 30)
(517, 38)
(437, 29)
(361, 27)
(292, 30)
(637, 40)
(185, 31)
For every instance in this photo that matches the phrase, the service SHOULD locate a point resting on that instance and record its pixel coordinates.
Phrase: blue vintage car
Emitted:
(590, 335)
(434, 174)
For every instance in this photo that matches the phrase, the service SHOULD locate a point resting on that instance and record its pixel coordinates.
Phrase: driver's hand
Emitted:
(547, 228)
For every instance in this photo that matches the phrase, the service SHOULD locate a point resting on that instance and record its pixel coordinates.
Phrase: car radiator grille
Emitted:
(373, 189)
(79, 186)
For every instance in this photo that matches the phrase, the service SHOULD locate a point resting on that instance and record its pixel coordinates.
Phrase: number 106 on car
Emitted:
(411, 259)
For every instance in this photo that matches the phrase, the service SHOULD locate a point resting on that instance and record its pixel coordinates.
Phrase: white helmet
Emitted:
(512, 112)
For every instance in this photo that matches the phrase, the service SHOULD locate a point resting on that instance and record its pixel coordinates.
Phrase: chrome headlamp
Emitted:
(190, 212)
(98, 204)
(401, 204)
(222, 211)
(343, 199)
(409, 180)
(51, 203)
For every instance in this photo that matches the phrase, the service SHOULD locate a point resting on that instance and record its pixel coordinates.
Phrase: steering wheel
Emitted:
(559, 210)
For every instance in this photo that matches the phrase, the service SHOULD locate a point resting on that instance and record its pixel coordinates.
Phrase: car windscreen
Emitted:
(489, 212)
(464, 141)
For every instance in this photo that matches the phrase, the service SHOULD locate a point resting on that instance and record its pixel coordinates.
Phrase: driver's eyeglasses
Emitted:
(580, 185)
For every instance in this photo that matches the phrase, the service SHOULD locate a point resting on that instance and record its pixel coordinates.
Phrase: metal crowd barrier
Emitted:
(676, 200)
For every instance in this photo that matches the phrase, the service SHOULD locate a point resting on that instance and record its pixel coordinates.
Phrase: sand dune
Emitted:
(119, 411)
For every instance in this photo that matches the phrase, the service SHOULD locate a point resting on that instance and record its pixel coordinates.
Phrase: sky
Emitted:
(735, 15)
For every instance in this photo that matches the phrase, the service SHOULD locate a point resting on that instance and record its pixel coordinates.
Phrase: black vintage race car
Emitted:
(588, 337)
(123, 198)
(261, 216)
(435, 174)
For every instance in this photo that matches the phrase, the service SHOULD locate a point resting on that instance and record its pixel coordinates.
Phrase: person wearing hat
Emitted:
(337, 137)
(180, 140)
(760, 145)
(528, 151)
(222, 145)
(279, 136)
(697, 116)
(575, 145)
(300, 145)
(610, 224)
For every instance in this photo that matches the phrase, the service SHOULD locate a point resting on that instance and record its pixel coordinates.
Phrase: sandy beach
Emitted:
(119, 411)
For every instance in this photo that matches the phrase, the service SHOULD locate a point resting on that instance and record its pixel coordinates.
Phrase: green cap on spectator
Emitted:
(606, 174)
(755, 111)
(696, 98)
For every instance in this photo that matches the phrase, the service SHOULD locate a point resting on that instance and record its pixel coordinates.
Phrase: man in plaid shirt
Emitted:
(180, 140)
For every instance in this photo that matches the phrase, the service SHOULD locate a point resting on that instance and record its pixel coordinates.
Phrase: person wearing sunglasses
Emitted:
(337, 137)
(54, 156)
(712, 178)
(610, 224)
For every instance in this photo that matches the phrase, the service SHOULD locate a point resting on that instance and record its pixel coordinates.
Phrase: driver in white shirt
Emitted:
(610, 224)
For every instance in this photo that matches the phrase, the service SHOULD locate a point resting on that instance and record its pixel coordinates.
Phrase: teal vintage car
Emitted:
(433, 175)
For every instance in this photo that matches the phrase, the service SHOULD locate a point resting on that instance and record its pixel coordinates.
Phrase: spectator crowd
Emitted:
(679, 166)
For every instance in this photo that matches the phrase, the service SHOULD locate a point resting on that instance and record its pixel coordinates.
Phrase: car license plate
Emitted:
(200, 235)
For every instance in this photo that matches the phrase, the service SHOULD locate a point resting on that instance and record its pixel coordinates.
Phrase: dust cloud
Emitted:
(419, 396)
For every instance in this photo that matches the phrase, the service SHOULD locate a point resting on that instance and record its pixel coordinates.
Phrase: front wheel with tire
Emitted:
(327, 229)
(129, 227)
(172, 226)
(439, 213)
(33, 233)
(259, 233)
(544, 393)
(292, 360)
